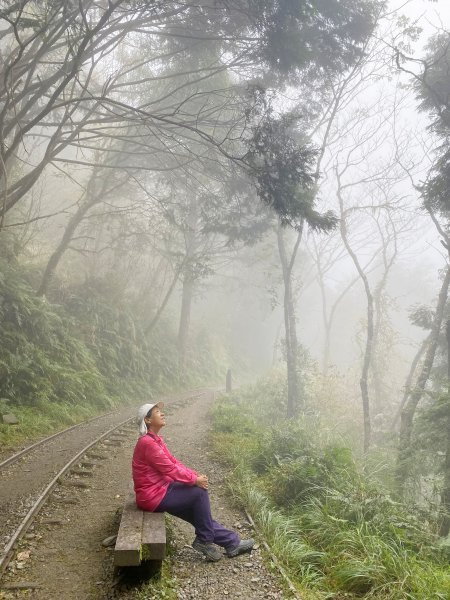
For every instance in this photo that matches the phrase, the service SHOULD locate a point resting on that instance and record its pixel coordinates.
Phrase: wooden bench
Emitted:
(141, 537)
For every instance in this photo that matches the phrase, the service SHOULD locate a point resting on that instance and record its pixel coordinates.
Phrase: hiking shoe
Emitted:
(244, 546)
(211, 552)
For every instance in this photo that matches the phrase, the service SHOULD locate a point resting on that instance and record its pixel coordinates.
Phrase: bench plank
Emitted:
(127, 552)
(142, 536)
(153, 536)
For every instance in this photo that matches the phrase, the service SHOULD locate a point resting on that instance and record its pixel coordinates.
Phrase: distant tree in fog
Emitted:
(77, 74)
(361, 173)
(431, 76)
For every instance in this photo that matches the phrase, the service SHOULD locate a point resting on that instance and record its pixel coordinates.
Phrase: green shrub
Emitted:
(228, 417)
(89, 351)
(335, 529)
(295, 480)
(41, 358)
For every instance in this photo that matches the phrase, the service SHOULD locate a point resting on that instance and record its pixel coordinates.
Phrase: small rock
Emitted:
(248, 564)
(109, 541)
(10, 419)
(23, 555)
(254, 579)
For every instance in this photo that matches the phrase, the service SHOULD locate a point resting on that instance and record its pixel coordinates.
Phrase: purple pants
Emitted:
(191, 503)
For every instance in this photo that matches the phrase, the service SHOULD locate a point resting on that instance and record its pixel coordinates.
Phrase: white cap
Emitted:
(143, 412)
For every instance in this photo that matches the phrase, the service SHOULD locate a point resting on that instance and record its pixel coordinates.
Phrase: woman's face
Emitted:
(156, 419)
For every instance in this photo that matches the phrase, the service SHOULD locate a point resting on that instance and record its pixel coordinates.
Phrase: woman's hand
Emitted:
(202, 482)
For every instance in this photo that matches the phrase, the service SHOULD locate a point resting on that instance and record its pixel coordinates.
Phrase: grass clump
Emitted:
(159, 587)
(334, 528)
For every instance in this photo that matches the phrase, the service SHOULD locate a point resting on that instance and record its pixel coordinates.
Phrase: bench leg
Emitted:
(146, 570)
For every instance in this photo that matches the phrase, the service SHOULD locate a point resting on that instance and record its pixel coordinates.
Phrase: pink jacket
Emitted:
(154, 469)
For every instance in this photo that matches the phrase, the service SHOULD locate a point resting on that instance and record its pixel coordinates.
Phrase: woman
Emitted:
(163, 484)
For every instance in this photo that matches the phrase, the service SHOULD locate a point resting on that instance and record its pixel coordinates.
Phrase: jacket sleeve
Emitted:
(162, 462)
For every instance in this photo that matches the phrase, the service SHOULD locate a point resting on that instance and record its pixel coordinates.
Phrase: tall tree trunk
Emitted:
(377, 379)
(409, 409)
(388, 235)
(191, 246)
(165, 300)
(363, 382)
(409, 379)
(325, 318)
(445, 495)
(96, 190)
(294, 402)
(185, 319)
(275, 344)
(328, 322)
(54, 259)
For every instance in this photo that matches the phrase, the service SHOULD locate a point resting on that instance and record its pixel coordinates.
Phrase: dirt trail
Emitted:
(63, 554)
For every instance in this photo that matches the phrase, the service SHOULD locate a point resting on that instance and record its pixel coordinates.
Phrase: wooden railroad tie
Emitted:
(112, 442)
(97, 456)
(141, 537)
(73, 483)
(22, 585)
(84, 464)
(82, 472)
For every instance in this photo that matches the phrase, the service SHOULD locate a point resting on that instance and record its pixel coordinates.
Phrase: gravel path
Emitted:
(245, 576)
(63, 557)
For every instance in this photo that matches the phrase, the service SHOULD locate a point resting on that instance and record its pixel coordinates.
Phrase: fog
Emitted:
(243, 205)
(240, 195)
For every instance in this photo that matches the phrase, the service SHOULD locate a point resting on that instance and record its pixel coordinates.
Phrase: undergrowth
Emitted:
(334, 528)
(79, 353)
(159, 587)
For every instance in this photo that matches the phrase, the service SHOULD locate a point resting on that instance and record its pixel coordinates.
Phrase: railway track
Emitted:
(8, 552)
(56, 478)
(57, 550)
(18, 455)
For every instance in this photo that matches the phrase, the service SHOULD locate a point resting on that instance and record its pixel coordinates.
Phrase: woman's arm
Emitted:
(161, 462)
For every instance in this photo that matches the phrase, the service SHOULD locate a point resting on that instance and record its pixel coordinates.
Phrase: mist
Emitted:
(192, 188)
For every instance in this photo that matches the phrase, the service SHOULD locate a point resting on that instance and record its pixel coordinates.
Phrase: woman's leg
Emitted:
(225, 537)
(192, 505)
